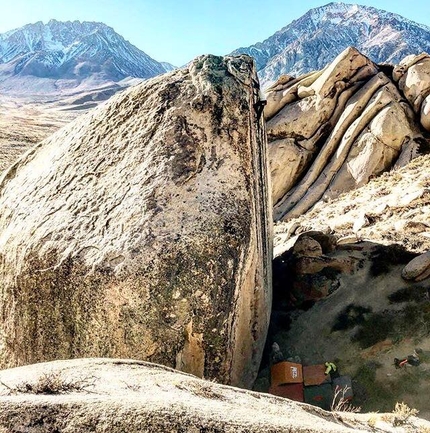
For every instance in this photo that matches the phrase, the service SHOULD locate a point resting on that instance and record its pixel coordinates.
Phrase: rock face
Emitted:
(142, 230)
(333, 130)
(130, 396)
(413, 77)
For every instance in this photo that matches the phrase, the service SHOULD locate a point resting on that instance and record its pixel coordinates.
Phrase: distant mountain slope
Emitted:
(312, 41)
(52, 57)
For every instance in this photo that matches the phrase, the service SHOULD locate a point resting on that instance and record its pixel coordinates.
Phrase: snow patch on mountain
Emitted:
(58, 55)
(313, 40)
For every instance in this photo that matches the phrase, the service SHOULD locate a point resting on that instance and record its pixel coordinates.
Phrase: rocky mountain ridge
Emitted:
(312, 41)
(62, 56)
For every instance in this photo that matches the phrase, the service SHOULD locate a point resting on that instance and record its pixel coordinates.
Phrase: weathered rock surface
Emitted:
(307, 246)
(333, 130)
(116, 396)
(143, 230)
(413, 77)
(418, 268)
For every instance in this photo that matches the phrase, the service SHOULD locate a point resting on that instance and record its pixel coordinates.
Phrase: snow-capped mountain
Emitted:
(312, 41)
(64, 55)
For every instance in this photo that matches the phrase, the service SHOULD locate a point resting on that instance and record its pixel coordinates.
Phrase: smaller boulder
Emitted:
(425, 113)
(417, 269)
(308, 247)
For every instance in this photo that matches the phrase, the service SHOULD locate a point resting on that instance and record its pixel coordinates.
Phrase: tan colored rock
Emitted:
(347, 240)
(285, 91)
(394, 124)
(377, 148)
(300, 119)
(381, 98)
(313, 265)
(307, 246)
(425, 113)
(353, 122)
(287, 161)
(418, 268)
(400, 69)
(368, 158)
(315, 106)
(360, 222)
(309, 115)
(143, 230)
(348, 67)
(117, 396)
(353, 109)
(415, 81)
(359, 156)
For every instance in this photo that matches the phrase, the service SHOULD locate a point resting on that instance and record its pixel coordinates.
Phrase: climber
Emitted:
(411, 360)
(260, 104)
(331, 369)
(261, 99)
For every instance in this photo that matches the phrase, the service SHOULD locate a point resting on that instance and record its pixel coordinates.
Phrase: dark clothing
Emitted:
(413, 360)
(276, 355)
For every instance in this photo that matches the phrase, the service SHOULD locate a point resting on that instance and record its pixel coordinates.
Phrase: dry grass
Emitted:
(50, 383)
(402, 412)
(342, 404)
(395, 208)
(23, 123)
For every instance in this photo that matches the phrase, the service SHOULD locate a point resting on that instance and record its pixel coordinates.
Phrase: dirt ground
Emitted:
(24, 121)
(387, 318)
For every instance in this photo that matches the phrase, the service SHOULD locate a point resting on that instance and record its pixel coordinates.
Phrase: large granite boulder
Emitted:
(331, 131)
(142, 230)
(117, 396)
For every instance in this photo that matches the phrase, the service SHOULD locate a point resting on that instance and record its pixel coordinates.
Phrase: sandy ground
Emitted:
(24, 121)
(393, 208)
(377, 384)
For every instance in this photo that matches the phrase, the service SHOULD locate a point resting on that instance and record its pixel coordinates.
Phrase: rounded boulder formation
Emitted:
(142, 230)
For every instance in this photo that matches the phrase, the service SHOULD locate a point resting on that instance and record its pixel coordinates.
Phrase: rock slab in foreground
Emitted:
(116, 396)
(142, 230)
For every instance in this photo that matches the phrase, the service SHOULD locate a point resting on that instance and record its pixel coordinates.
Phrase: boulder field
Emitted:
(333, 130)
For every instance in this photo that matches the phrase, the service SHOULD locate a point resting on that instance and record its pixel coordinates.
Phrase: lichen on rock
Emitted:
(142, 230)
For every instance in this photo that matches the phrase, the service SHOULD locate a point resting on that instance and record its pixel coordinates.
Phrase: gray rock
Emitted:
(307, 246)
(418, 268)
(143, 230)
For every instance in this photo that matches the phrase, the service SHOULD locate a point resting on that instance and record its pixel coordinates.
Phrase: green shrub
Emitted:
(409, 294)
(376, 328)
(386, 256)
(350, 316)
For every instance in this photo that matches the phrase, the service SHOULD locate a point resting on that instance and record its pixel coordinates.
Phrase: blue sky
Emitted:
(178, 30)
